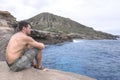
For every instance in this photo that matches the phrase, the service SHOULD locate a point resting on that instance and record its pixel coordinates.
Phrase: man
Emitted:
(22, 49)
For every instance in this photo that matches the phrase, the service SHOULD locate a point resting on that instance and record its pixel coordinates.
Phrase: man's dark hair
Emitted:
(19, 26)
(22, 24)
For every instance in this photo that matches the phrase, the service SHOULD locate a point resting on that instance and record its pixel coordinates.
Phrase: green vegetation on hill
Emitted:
(57, 24)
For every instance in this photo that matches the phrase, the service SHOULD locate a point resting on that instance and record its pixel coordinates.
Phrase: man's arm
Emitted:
(30, 41)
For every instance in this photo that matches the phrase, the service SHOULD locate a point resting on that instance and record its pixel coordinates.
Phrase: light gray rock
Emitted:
(34, 74)
(5, 35)
(6, 19)
(3, 23)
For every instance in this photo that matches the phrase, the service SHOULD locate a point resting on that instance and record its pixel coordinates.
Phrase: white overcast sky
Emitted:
(102, 15)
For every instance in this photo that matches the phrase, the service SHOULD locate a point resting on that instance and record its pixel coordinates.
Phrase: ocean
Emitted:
(99, 59)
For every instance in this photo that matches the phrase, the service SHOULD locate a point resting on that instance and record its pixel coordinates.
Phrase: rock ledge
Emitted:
(34, 74)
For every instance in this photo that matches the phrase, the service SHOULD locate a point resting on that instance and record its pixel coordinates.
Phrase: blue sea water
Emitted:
(98, 59)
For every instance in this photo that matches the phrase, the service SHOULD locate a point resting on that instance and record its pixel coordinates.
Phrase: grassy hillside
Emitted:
(61, 25)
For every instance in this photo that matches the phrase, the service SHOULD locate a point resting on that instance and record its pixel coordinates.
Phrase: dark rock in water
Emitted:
(34, 74)
(49, 37)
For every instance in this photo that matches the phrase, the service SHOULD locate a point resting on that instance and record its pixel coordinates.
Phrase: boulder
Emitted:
(5, 35)
(35, 74)
(6, 19)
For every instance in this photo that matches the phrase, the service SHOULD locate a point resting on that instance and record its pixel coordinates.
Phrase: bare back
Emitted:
(15, 47)
(17, 44)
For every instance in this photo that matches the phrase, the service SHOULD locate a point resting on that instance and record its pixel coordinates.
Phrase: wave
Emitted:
(118, 38)
(77, 40)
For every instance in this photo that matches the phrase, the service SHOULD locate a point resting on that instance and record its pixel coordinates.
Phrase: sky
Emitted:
(101, 15)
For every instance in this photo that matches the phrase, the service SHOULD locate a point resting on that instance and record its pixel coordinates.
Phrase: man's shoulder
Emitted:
(26, 37)
(20, 36)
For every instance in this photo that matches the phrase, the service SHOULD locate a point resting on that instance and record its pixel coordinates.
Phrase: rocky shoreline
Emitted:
(49, 37)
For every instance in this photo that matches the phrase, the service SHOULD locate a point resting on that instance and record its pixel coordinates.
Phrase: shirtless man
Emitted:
(22, 49)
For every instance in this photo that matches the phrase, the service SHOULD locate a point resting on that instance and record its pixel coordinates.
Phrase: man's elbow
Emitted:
(42, 46)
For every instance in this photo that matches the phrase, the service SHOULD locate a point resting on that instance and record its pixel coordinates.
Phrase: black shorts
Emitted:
(25, 60)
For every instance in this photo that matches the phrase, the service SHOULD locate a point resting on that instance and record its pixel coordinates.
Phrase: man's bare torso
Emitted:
(15, 47)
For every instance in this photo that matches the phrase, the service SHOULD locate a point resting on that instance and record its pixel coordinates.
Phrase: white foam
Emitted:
(77, 40)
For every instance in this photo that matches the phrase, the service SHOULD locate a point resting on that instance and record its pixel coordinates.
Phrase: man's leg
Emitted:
(38, 59)
(24, 60)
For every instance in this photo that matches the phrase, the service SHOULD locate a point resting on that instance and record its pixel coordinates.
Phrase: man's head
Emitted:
(24, 26)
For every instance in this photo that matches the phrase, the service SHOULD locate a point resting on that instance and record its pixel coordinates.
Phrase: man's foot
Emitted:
(41, 68)
(32, 65)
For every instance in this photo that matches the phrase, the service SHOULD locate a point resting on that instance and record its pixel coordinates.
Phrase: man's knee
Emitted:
(42, 46)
